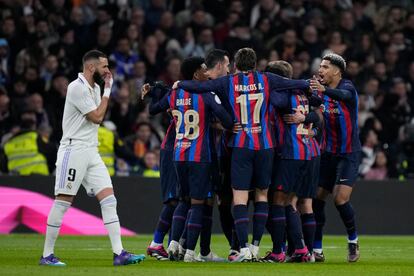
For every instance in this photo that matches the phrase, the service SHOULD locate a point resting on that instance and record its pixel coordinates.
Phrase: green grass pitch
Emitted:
(85, 255)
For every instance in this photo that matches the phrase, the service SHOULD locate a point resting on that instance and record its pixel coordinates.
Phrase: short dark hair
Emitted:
(93, 54)
(190, 66)
(215, 56)
(245, 59)
(280, 67)
(336, 60)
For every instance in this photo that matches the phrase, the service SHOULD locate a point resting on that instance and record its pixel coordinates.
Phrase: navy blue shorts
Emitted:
(311, 179)
(194, 180)
(341, 169)
(290, 175)
(168, 176)
(251, 169)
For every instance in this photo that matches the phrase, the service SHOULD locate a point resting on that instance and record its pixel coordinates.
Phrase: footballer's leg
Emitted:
(168, 181)
(308, 223)
(71, 167)
(347, 171)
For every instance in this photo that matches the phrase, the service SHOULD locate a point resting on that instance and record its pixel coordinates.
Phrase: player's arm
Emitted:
(97, 115)
(279, 100)
(300, 118)
(277, 83)
(336, 94)
(159, 106)
(314, 100)
(219, 86)
(219, 111)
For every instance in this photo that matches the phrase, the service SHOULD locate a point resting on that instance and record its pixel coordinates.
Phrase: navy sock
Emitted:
(278, 222)
(194, 225)
(294, 227)
(308, 228)
(226, 221)
(241, 224)
(261, 212)
(183, 238)
(319, 211)
(205, 235)
(235, 245)
(164, 223)
(178, 221)
(348, 217)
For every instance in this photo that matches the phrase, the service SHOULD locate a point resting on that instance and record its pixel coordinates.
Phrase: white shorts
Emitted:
(80, 166)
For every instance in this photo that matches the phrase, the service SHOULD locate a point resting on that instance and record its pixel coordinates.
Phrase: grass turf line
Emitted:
(86, 255)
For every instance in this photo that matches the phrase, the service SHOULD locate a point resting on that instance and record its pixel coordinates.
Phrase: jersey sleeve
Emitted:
(277, 82)
(311, 117)
(218, 110)
(157, 106)
(314, 100)
(219, 86)
(82, 99)
(280, 100)
(339, 94)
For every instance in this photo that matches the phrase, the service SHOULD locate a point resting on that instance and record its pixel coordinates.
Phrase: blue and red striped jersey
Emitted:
(293, 140)
(248, 96)
(341, 133)
(192, 114)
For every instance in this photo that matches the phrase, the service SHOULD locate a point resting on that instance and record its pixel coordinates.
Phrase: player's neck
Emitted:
(334, 83)
(89, 78)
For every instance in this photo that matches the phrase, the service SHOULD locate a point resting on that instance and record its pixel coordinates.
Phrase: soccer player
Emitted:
(192, 155)
(248, 94)
(289, 179)
(78, 160)
(168, 178)
(340, 161)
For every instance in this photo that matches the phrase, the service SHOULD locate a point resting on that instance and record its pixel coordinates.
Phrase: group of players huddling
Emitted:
(283, 144)
(255, 136)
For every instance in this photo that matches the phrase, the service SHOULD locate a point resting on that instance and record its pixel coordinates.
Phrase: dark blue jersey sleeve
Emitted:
(214, 103)
(280, 100)
(277, 82)
(158, 90)
(338, 94)
(219, 86)
(157, 106)
(314, 100)
(311, 117)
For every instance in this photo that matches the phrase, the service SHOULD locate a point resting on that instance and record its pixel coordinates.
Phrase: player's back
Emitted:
(192, 117)
(81, 99)
(293, 139)
(249, 96)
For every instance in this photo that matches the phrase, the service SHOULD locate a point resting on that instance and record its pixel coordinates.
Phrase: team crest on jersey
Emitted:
(69, 185)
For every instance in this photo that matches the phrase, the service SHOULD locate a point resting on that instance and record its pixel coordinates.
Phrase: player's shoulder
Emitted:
(211, 98)
(347, 84)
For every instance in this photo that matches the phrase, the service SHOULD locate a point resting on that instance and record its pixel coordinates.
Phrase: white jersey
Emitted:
(81, 99)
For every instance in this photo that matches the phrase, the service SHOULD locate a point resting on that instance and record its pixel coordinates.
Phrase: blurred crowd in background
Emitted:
(42, 43)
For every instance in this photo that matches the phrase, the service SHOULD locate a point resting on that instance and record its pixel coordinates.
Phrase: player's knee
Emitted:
(108, 208)
(57, 212)
(340, 199)
(261, 195)
(305, 206)
(197, 201)
(279, 198)
(172, 202)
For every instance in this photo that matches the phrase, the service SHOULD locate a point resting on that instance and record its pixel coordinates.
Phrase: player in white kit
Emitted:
(78, 161)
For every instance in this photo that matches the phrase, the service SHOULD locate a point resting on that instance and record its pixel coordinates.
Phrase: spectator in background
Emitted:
(6, 120)
(27, 152)
(151, 165)
(55, 104)
(4, 62)
(205, 43)
(35, 103)
(104, 39)
(370, 142)
(264, 8)
(311, 42)
(144, 139)
(150, 56)
(48, 70)
(123, 113)
(138, 79)
(124, 59)
(18, 95)
(34, 83)
(172, 71)
(379, 170)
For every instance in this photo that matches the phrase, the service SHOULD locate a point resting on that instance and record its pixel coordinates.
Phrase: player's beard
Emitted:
(98, 79)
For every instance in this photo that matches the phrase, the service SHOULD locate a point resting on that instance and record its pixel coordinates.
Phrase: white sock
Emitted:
(111, 221)
(353, 241)
(54, 221)
(154, 244)
(317, 250)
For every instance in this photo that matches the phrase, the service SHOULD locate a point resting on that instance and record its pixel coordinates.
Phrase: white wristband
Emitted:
(107, 92)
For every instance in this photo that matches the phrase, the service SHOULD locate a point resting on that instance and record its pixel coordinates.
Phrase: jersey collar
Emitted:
(82, 78)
